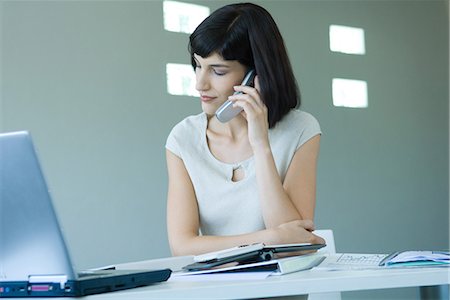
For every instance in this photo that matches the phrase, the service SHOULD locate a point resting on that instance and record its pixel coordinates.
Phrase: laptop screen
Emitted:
(34, 261)
(31, 242)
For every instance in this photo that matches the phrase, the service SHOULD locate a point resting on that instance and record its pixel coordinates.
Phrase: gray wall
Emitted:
(87, 79)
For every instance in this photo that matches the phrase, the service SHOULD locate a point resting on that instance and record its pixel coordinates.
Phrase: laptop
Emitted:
(34, 259)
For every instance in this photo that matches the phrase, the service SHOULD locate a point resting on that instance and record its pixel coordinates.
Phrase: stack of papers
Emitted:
(354, 261)
(417, 259)
(246, 254)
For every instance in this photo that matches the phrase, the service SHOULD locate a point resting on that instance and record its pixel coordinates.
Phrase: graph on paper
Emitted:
(361, 259)
(351, 261)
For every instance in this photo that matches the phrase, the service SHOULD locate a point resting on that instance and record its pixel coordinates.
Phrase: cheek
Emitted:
(226, 89)
(224, 86)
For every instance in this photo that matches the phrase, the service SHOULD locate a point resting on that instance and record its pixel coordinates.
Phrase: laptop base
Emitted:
(83, 286)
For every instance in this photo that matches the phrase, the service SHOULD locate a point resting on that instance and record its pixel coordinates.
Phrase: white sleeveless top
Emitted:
(227, 207)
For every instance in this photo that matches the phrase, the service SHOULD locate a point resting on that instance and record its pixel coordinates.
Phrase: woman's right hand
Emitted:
(297, 231)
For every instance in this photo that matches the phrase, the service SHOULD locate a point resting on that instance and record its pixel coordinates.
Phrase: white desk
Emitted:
(299, 283)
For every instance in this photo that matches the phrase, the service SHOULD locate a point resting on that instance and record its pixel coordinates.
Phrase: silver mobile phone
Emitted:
(226, 111)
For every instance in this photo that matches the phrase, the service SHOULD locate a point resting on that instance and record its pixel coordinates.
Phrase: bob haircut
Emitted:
(247, 33)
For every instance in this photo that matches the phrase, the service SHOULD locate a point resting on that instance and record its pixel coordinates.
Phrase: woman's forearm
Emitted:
(195, 245)
(277, 208)
(298, 231)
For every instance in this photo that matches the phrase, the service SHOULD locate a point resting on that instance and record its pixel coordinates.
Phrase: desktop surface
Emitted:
(299, 283)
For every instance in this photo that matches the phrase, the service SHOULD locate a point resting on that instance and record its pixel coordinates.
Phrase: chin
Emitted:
(210, 110)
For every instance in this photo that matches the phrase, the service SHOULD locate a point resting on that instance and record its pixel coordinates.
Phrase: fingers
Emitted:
(250, 102)
(318, 240)
(307, 224)
(297, 231)
(245, 100)
(249, 94)
(254, 92)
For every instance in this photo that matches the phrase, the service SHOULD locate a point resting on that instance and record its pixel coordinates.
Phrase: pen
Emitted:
(388, 258)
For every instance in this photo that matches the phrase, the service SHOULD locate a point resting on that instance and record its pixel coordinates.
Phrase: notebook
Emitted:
(34, 259)
(279, 266)
(247, 255)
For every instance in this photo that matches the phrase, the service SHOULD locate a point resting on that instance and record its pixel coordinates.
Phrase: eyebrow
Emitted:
(218, 65)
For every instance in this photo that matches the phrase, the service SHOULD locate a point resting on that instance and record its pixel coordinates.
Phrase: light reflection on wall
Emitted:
(182, 17)
(349, 40)
(348, 92)
(181, 80)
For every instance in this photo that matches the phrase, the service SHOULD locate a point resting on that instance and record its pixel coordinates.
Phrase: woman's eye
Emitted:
(219, 73)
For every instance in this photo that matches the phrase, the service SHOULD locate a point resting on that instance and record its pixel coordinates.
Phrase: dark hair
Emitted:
(247, 33)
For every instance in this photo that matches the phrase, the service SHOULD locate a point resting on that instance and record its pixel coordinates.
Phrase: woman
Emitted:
(252, 179)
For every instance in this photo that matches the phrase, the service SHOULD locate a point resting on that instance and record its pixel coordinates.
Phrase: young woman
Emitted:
(252, 179)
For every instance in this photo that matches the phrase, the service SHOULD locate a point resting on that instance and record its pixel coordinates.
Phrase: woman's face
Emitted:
(215, 80)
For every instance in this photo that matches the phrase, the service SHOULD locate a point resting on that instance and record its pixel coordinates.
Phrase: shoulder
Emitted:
(188, 130)
(297, 127)
(191, 122)
(300, 120)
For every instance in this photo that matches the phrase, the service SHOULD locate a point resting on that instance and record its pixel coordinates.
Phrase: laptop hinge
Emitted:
(61, 279)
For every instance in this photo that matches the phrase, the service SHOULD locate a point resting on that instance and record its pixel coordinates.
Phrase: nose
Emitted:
(202, 81)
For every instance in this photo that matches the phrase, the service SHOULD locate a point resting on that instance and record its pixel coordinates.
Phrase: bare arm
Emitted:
(183, 220)
(295, 198)
(300, 180)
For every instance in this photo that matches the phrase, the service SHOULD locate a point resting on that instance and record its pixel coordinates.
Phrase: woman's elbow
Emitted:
(180, 246)
(177, 250)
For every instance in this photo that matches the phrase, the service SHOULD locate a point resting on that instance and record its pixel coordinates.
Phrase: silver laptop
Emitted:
(34, 261)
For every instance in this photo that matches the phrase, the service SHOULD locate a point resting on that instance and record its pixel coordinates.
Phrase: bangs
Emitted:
(226, 36)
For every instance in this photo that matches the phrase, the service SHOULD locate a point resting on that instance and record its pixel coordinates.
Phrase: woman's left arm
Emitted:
(295, 198)
(300, 180)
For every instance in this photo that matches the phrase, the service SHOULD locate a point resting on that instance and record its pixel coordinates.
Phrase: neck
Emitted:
(234, 129)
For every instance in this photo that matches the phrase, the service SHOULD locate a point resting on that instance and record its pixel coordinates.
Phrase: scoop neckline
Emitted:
(211, 155)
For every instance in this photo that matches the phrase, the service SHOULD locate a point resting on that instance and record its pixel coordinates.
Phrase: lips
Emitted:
(206, 98)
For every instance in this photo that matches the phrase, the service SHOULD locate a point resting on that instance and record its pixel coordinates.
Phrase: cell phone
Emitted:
(226, 111)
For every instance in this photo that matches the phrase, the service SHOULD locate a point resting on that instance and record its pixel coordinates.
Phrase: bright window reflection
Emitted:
(349, 40)
(349, 93)
(183, 17)
(181, 80)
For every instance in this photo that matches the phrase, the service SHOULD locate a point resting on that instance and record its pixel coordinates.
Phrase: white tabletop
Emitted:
(299, 283)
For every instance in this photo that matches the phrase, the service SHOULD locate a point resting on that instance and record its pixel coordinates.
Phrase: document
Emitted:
(354, 261)
(351, 261)
(417, 259)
